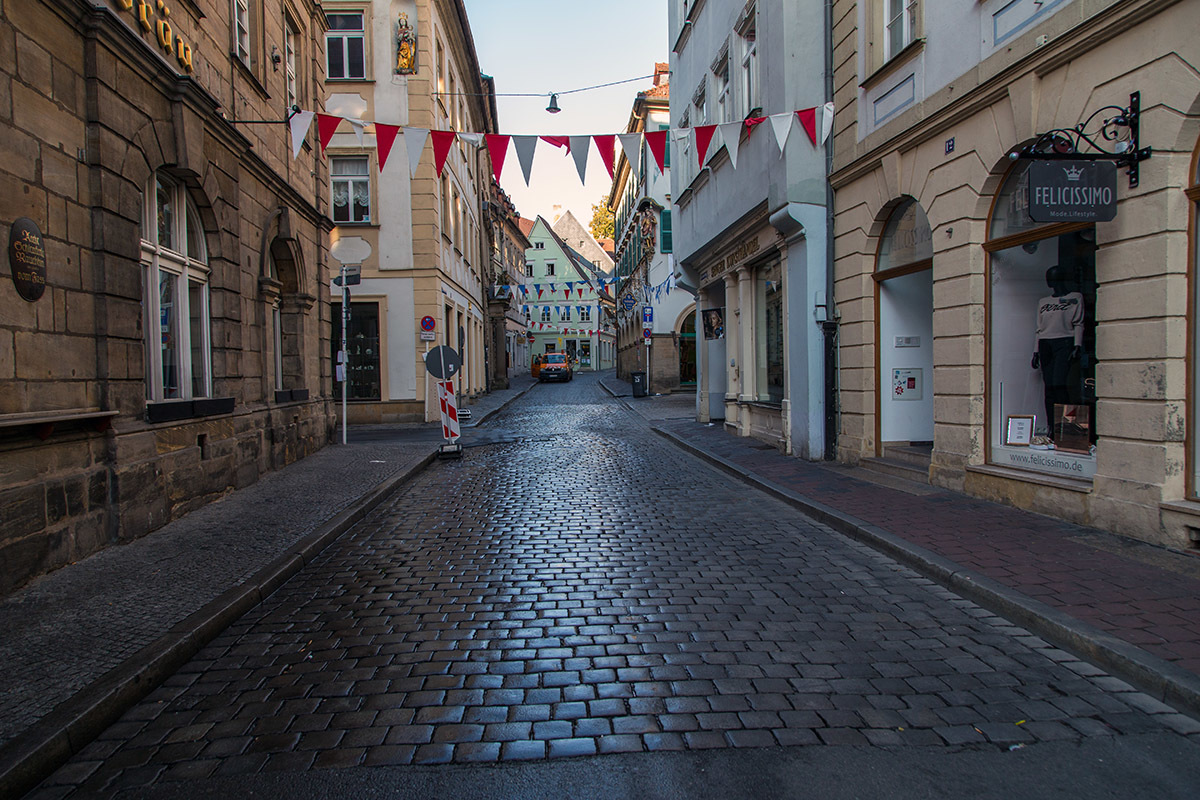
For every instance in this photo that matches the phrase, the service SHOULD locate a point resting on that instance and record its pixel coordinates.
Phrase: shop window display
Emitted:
(1042, 339)
(769, 302)
(362, 351)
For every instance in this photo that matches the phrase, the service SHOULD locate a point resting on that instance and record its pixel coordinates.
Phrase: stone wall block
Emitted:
(19, 154)
(34, 65)
(23, 510)
(41, 116)
(48, 357)
(8, 363)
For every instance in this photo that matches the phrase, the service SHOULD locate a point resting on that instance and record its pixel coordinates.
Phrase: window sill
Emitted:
(1043, 479)
(356, 224)
(175, 410)
(43, 422)
(349, 80)
(893, 64)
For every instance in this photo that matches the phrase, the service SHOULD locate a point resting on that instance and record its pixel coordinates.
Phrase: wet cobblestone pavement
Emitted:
(580, 587)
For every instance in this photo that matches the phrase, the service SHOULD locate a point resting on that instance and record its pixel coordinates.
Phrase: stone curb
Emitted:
(1161, 679)
(31, 756)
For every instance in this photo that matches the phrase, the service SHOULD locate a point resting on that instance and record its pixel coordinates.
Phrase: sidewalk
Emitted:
(80, 645)
(1130, 607)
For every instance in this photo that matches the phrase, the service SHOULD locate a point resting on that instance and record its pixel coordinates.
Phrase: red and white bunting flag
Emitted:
(414, 141)
(558, 141)
(731, 137)
(299, 123)
(704, 134)
(826, 121)
(358, 126)
(385, 136)
(578, 149)
(808, 121)
(525, 146)
(631, 144)
(442, 140)
(497, 146)
(326, 125)
(657, 142)
(781, 126)
(751, 122)
(473, 139)
(607, 145)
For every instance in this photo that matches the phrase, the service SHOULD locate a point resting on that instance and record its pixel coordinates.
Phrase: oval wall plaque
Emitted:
(27, 258)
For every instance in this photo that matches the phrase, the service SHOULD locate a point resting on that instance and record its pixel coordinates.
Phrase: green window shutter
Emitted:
(666, 148)
(664, 225)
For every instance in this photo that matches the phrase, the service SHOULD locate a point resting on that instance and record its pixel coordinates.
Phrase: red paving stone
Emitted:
(1146, 605)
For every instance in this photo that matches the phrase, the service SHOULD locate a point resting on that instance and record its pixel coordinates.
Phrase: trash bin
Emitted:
(639, 383)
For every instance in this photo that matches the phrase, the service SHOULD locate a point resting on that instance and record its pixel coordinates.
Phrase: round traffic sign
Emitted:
(442, 362)
(428, 323)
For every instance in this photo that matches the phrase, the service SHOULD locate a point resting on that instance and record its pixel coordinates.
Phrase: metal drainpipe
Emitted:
(830, 326)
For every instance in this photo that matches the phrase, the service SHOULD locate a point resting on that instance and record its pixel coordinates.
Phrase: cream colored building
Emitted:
(943, 277)
(420, 241)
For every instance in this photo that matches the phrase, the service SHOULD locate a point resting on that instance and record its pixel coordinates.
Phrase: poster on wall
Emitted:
(714, 323)
(906, 384)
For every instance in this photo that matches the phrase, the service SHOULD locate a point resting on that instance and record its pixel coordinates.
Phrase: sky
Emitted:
(549, 46)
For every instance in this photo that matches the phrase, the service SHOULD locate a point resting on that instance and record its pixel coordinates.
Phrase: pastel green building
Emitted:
(567, 301)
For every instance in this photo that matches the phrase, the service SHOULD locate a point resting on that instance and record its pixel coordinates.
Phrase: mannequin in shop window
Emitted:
(1059, 340)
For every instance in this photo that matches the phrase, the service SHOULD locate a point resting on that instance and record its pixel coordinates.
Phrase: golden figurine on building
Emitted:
(406, 47)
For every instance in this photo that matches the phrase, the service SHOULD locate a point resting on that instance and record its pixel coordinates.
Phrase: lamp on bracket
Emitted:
(553, 107)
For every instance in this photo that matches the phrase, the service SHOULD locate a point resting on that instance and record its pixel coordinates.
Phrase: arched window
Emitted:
(175, 307)
(1041, 337)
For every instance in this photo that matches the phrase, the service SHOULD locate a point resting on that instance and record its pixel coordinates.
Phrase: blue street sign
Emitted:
(648, 314)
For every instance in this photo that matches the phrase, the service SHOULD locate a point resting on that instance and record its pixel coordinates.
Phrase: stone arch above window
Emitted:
(907, 238)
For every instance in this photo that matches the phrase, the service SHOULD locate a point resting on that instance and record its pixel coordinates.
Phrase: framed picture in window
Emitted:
(1018, 430)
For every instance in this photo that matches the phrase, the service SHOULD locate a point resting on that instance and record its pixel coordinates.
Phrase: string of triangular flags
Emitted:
(577, 146)
(650, 294)
(546, 326)
(566, 287)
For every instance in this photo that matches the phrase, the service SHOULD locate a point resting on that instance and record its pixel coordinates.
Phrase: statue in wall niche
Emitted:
(406, 47)
(647, 225)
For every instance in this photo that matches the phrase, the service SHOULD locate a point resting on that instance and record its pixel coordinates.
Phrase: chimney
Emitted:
(662, 72)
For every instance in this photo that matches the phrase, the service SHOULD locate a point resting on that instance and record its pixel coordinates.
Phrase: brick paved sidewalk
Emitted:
(1132, 607)
(83, 643)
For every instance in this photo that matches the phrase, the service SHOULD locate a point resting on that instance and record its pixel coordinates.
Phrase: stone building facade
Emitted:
(640, 202)
(177, 348)
(751, 220)
(508, 332)
(421, 241)
(1049, 365)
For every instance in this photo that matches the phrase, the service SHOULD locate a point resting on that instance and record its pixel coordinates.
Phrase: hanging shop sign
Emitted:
(1072, 191)
(27, 258)
(1110, 135)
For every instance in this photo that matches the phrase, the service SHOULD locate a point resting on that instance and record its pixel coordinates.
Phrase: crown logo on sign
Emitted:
(1073, 173)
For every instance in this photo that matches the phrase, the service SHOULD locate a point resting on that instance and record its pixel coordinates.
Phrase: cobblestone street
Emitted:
(575, 586)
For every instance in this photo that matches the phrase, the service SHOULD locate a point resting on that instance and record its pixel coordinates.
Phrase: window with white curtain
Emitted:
(175, 271)
(351, 182)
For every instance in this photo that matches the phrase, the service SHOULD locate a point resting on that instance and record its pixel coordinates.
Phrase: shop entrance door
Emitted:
(905, 380)
(687, 351)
